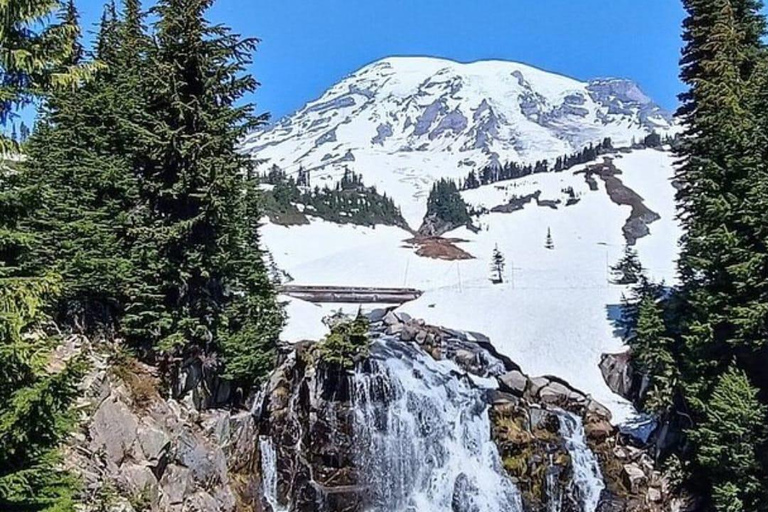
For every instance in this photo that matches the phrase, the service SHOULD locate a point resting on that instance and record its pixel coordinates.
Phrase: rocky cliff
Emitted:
(431, 419)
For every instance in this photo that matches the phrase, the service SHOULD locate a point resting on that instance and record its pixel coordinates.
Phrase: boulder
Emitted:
(113, 430)
(201, 502)
(598, 430)
(554, 393)
(377, 315)
(154, 443)
(514, 382)
(536, 384)
(618, 374)
(207, 465)
(391, 318)
(633, 477)
(595, 408)
(139, 483)
(464, 358)
(176, 484)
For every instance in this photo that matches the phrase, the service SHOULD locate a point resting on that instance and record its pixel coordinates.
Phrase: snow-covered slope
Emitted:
(404, 122)
(553, 314)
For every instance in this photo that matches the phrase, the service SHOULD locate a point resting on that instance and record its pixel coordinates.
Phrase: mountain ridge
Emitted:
(404, 122)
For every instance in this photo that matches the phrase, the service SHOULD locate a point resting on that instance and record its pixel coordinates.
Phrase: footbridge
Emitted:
(350, 294)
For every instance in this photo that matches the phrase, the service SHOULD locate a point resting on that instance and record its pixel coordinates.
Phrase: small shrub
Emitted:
(346, 342)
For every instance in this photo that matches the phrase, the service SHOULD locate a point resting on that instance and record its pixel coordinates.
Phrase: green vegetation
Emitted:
(446, 204)
(131, 216)
(704, 345)
(511, 170)
(36, 392)
(346, 343)
(628, 270)
(349, 202)
(35, 401)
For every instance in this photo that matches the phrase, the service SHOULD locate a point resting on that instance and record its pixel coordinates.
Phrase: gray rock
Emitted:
(595, 408)
(634, 478)
(204, 464)
(391, 318)
(201, 502)
(139, 484)
(554, 393)
(515, 381)
(618, 375)
(408, 333)
(176, 484)
(404, 317)
(536, 384)
(113, 430)
(395, 329)
(225, 499)
(377, 315)
(154, 443)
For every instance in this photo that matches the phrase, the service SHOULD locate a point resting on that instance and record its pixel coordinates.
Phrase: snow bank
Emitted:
(553, 315)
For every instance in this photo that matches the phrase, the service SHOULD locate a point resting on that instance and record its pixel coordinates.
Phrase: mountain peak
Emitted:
(403, 122)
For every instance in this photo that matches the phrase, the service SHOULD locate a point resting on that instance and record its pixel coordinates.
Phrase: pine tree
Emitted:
(727, 441)
(80, 170)
(446, 204)
(203, 291)
(35, 398)
(652, 351)
(35, 55)
(724, 263)
(628, 269)
(498, 263)
(35, 402)
(549, 243)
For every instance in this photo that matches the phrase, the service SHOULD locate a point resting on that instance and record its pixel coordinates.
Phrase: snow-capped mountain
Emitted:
(403, 122)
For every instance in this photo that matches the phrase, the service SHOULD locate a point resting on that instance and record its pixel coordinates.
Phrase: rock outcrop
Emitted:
(298, 448)
(138, 451)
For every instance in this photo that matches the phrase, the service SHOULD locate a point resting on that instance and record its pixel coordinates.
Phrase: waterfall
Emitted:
(269, 472)
(587, 478)
(423, 434)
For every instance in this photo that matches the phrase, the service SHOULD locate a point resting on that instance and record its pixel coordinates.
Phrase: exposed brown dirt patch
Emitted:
(439, 248)
(641, 216)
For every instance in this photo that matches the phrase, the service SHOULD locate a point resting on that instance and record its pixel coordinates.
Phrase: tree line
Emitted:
(130, 216)
(349, 201)
(703, 345)
(510, 170)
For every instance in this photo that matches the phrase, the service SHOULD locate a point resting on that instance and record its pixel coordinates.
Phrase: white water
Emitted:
(269, 472)
(587, 478)
(424, 437)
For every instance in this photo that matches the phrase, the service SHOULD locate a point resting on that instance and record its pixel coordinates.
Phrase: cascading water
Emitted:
(423, 434)
(587, 478)
(269, 472)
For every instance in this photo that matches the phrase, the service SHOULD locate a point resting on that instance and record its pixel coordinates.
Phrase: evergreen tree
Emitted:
(34, 54)
(628, 269)
(446, 204)
(722, 306)
(549, 243)
(497, 265)
(728, 439)
(35, 402)
(35, 398)
(652, 351)
(80, 170)
(203, 289)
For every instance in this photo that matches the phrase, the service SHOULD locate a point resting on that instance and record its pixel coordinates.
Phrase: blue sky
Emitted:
(308, 45)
